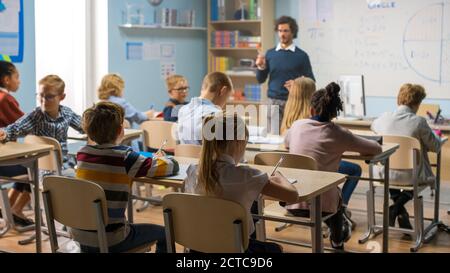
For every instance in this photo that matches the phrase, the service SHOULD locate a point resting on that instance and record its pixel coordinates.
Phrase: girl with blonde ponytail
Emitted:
(218, 174)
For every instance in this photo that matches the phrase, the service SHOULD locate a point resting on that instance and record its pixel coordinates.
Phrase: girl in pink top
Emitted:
(325, 141)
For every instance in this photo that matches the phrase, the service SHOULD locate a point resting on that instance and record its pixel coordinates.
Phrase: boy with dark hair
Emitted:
(113, 167)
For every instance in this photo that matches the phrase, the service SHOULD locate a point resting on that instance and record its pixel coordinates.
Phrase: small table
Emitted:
(27, 155)
(431, 231)
(387, 150)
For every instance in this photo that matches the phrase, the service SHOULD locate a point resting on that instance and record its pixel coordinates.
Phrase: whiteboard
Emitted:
(389, 42)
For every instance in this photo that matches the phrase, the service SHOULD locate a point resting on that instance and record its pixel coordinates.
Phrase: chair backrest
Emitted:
(126, 124)
(72, 201)
(293, 161)
(205, 224)
(76, 204)
(403, 158)
(53, 161)
(156, 132)
(188, 150)
(424, 108)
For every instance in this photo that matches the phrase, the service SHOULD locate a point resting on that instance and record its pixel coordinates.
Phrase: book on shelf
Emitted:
(221, 64)
(222, 10)
(234, 39)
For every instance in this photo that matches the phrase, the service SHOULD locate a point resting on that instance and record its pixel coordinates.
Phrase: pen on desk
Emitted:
(162, 147)
(277, 166)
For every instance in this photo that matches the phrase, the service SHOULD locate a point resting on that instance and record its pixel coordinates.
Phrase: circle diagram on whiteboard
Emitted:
(426, 42)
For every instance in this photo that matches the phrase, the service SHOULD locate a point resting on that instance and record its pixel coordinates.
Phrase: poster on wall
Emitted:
(11, 30)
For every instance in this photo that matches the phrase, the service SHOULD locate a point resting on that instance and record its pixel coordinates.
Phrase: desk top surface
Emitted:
(388, 149)
(309, 185)
(14, 150)
(129, 133)
(368, 123)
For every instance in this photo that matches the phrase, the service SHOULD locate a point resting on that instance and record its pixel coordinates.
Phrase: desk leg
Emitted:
(37, 206)
(438, 189)
(316, 230)
(386, 208)
(431, 231)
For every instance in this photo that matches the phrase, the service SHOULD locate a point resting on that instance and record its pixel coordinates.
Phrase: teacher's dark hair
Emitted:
(327, 102)
(288, 20)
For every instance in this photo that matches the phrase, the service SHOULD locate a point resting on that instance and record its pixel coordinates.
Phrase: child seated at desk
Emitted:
(326, 142)
(10, 112)
(299, 102)
(218, 173)
(178, 89)
(113, 167)
(50, 119)
(112, 89)
(216, 90)
(405, 122)
(298, 107)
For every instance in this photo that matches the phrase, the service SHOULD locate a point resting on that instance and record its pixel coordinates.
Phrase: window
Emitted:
(72, 42)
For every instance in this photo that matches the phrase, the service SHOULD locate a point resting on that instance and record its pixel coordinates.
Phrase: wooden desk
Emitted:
(387, 150)
(310, 187)
(431, 231)
(364, 125)
(130, 134)
(27, 155)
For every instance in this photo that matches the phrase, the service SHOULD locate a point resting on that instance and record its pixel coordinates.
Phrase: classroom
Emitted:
(224, 126)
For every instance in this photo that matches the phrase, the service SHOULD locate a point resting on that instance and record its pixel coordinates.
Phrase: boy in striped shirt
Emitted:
(113, 167)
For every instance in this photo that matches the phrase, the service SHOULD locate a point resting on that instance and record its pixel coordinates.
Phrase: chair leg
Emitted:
(418, 222)
(370, 197)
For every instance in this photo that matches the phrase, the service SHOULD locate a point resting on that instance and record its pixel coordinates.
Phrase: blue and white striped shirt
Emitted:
(39, 123)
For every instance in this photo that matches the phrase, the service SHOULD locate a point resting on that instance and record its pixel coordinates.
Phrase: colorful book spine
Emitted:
(214, 10)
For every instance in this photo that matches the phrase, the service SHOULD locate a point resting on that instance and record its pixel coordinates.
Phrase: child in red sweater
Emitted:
(9, 113)
(9, 82)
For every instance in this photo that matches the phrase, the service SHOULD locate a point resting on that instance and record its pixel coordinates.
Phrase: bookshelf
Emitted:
(231, 39)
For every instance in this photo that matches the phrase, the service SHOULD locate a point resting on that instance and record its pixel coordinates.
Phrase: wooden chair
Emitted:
(156, 132)
(187, 150)
(77, 204)
(205, 224)
(274, 211)
(431, 108)
(290, 161)
(52, 162)
(406, 158)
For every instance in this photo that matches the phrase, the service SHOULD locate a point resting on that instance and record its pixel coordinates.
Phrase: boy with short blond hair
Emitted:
(113, 167)
(405, 122)
(178, 89)
(51, 119)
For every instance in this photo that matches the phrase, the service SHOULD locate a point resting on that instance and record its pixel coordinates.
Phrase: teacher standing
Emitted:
(283, 64)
